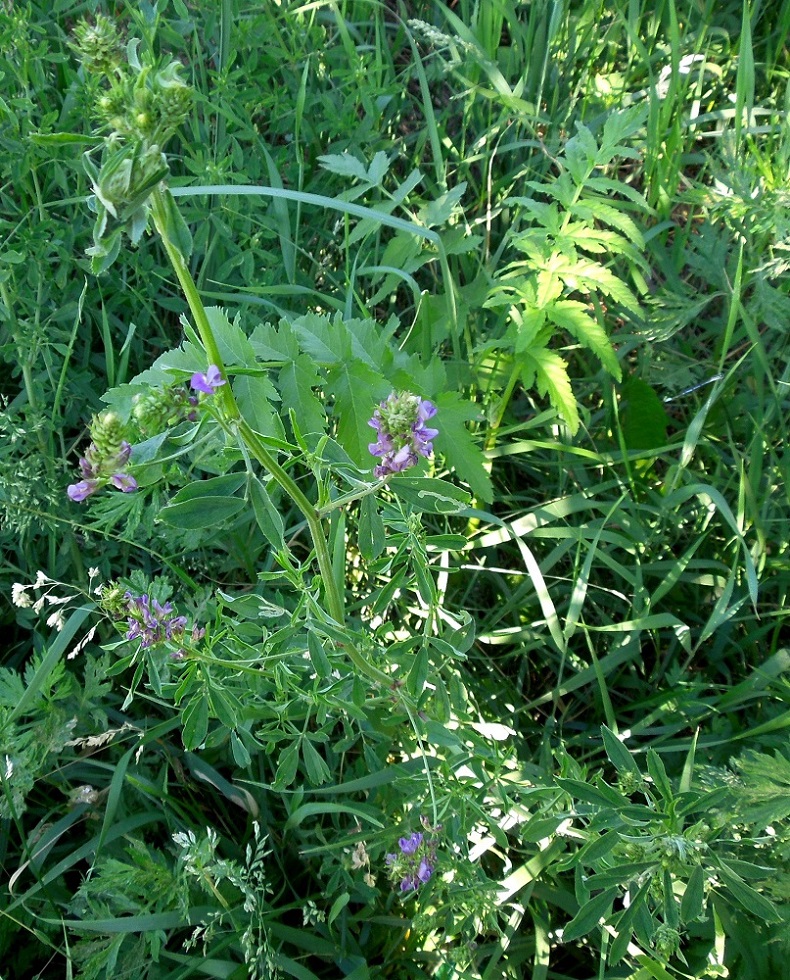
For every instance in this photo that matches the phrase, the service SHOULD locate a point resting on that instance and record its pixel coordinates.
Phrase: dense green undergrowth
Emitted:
(519, 711)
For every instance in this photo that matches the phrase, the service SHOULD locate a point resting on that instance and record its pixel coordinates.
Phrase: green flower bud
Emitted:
(107, 434)
(667, 941)
(159, 408)
(99, 45)
(174, 106)
(112, 599)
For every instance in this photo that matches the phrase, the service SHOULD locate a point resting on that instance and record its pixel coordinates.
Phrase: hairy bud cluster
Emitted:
(105, 460)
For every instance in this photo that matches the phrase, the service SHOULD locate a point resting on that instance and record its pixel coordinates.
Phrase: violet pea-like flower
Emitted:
(82, 490)
(403, 435)
(208, 382)
(124, 482)
(409, 845)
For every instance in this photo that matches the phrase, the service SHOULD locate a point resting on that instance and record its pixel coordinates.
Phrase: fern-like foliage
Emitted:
(562, 280)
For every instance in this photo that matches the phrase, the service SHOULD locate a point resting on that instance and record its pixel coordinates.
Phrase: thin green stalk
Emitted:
(235, 423)
(232, 412)
(349, 498)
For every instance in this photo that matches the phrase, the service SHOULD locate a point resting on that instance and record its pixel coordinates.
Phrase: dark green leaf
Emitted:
(266, 514)
(418, 673)
(430, 494)
(618, 754)
(371, 534)
(746, 896)
(691, 904)
(589, 915)
(287, 766)
(316, 767)
(658, 773)
(201, 513)
(642, 416)
(195, 722)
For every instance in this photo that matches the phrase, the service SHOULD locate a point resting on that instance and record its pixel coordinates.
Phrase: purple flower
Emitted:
(414, 863)
(82, 490)
(123, 482)
(152, 623)
(424, 871)
(208, 382)
(87, 468)
(409, 845)
(403, 435)
(100, 467)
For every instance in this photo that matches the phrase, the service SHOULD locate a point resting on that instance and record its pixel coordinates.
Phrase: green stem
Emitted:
(227, 402)
(504, 401)
(349, 498)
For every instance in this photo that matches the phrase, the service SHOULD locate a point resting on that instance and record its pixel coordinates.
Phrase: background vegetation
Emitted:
(569, 220)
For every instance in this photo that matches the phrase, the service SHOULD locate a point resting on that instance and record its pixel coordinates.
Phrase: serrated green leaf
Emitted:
(572, 316)
(255, 394)
(344, 165)
(379, 166)
(296, 381)
(274, 344)
(456, 443)
(232, 341)
(600, 279)
(369, 342)
(356, 388)
(620, 126)
(552, 380)
(183, 360)
(325, 339)
(591, 209)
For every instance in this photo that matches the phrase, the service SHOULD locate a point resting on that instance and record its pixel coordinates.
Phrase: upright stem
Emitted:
(232, 412)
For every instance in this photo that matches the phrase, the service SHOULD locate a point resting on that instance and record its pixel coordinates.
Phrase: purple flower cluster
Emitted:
(415, 863)
(152, 623)
(403, 435)
(99, 471)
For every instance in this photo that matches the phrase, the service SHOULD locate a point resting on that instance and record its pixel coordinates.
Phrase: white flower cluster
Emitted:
(57, 594)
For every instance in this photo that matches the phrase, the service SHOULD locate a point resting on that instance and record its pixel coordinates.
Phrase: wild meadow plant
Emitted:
(283, 678)
(313, 786)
